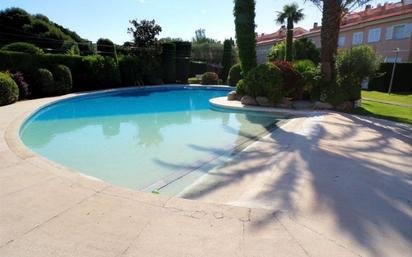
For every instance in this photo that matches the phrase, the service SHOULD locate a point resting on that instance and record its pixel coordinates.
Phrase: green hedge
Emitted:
(169, 62)
(197, 68)
(183, 53)
(63, 79)
(22, 47)
(131, 71)
(401, 82)
(210, 78)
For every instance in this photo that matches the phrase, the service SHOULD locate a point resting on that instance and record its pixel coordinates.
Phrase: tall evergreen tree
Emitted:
(226, 58)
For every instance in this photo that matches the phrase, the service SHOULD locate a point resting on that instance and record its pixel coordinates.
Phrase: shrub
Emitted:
(169, 62)
(44, 83)
(241, 88)
(9, 91)
(234, 75)
(302, 49)
(63, 79)
(105, 47)
(24, 91)
(22, 48)
(210, 78)
(130, 70)
(290, 85)
(194, 80)
(244, 12)
(353, 66)
(308, 75)
(264, 80)
(100, 72)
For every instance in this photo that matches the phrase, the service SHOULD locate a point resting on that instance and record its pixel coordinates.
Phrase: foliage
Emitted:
(169, 62)
(22, 47)
(200, 37)
(308, 75)
(9, 91)
(353, 66)
(264, 80)
(71, 48)
(183, 52)
(241, 88)
(244, 12)
(303, 49)
(234, 75)
(20, 26)
(227, 58)
(63, 79)
(197, 68)
(100, 72)
(131, 70)
(44, 83)
(24, 90)
(290, 86)
(144, 32)
(106, 47)
(210, 78)
(194, 80)
(291, 14)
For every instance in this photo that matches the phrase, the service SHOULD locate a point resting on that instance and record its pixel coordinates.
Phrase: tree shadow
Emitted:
(358, 170)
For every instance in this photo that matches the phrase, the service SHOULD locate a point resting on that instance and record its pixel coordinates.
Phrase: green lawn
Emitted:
(403, 98)
(385, 111)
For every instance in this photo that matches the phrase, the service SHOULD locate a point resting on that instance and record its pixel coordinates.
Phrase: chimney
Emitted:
(315, 25)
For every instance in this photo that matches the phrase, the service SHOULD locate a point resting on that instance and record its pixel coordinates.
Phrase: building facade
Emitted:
(385, 28)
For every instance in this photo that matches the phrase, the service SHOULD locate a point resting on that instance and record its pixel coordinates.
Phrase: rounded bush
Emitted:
(241, 88)
(63, 79)
(23, 48)
(9, 91)
(210, 78)
(265, 80)
(24, 90)
(234, 75)
(44, 82)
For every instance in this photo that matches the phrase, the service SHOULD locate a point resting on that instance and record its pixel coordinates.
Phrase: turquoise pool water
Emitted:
(142, 139)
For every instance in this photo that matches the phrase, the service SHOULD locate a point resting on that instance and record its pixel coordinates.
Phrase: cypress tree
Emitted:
(226, 59)
(244, 12)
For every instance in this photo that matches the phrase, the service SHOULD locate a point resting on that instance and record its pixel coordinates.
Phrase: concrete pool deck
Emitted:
(324, 184)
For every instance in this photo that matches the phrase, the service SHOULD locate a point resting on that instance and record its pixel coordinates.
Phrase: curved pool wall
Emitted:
(153, 138)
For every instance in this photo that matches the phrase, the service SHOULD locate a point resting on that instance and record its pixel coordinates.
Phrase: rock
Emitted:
(264, 101)
(357, 103)
(285, 103)
(232, 96)
(302, 105)
(322, 106)
(345, 106)
(248, 100)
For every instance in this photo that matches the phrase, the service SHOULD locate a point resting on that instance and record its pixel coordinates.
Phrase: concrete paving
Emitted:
(324, 184)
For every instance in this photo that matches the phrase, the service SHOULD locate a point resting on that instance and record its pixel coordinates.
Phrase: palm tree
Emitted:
(291, 14)
(332, 13)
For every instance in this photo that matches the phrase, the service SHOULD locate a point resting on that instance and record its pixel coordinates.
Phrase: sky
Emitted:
(94, 19)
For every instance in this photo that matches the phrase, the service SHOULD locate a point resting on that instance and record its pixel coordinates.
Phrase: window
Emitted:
(399, 31)
(357, 38)
(341, 41)
(374, 35)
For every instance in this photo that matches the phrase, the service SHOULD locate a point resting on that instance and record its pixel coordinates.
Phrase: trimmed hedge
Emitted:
(9, 91)
(63, 79)
(44, 83)
(131, 71)
(183, 53)
(210, 78)
(197, 68)
(401, 82)
(22, 47)
(169, 62)
(100, 72)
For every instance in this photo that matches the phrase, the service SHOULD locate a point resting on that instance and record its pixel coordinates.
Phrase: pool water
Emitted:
(144, 139)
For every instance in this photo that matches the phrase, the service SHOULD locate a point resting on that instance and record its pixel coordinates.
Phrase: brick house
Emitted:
(385, 28)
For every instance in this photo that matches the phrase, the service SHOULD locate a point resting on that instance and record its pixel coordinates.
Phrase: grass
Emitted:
(385, 111)
(402, 98)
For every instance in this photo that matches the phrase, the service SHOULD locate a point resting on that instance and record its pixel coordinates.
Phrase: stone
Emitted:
(232, 96)
(302, 105)
(264, 101)
(345, 106)
(285, 103)
(248, 100)
(322, 106)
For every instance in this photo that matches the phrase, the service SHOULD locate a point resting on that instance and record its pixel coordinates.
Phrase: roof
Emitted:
(279, 35)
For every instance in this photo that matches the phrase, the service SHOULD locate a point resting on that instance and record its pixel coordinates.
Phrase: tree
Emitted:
(303, 48)
(244, 12)
(291, 14)
(144, 32)
(201, 38)
(332, 13)
(226, 58)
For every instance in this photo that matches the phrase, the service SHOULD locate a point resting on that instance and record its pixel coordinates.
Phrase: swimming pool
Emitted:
(156, 138)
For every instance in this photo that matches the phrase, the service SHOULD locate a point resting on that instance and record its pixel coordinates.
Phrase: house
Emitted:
(385, 28)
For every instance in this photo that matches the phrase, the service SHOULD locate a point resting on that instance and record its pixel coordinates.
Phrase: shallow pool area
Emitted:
(154, 139)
